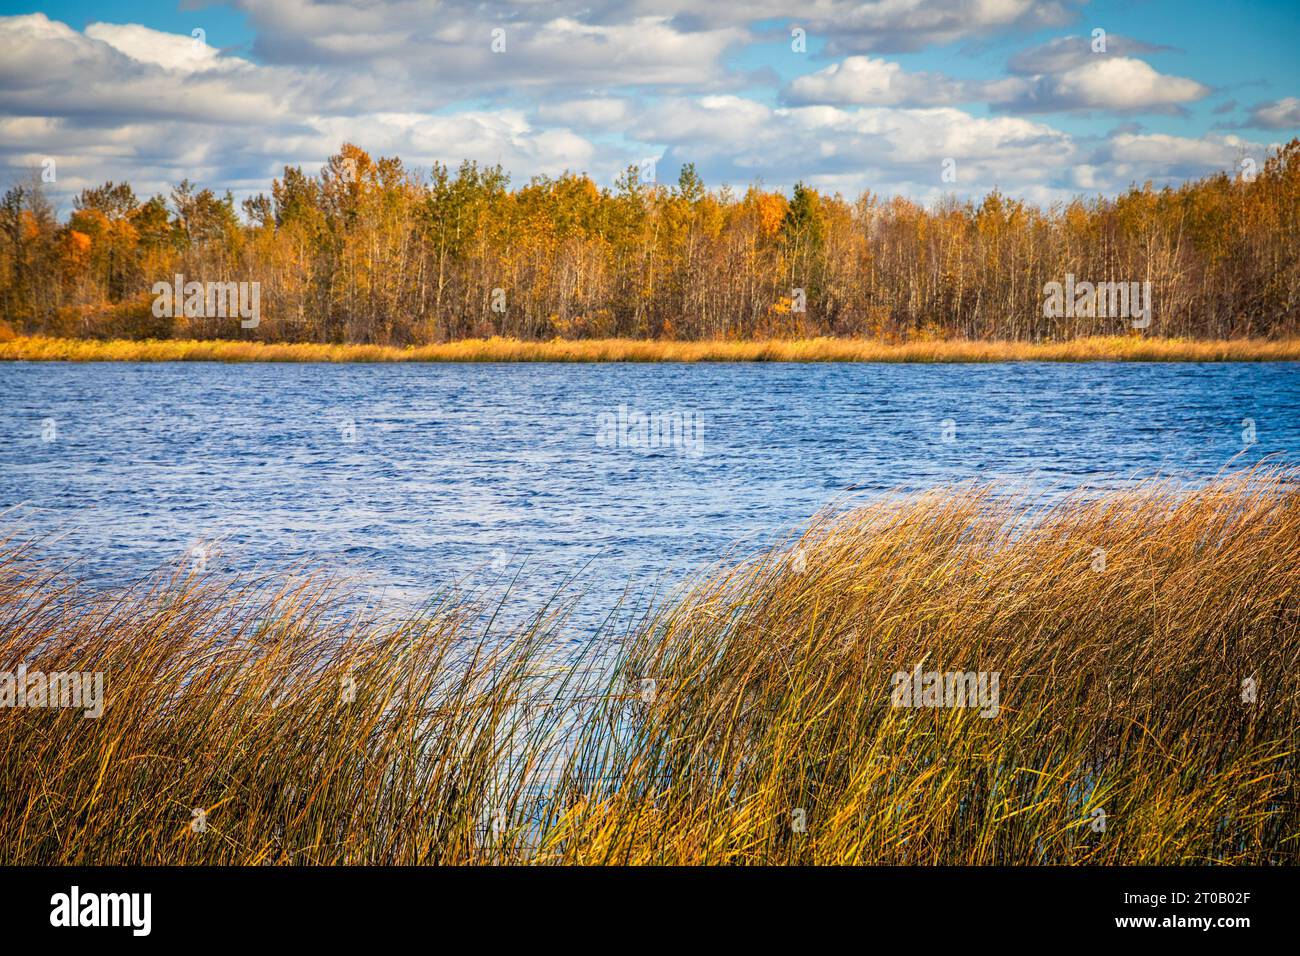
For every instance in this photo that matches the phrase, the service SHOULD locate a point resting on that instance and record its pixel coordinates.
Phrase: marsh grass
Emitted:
(759, 696)
(1096, 349)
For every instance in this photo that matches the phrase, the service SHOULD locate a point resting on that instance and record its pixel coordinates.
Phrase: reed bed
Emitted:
(1094, 349)
(1146, 643)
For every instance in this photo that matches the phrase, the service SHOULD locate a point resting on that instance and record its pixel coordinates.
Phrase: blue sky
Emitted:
(1013, 94)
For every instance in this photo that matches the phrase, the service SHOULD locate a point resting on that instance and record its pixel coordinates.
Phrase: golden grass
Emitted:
(1122, 628)
(1099, 349)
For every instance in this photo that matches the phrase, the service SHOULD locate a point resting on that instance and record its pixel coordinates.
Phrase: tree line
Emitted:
(371, 251)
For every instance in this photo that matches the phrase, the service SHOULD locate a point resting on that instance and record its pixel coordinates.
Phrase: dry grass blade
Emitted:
(1144, 642)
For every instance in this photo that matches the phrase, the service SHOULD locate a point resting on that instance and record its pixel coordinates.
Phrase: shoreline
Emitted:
(1095, 349)
(1008, 692)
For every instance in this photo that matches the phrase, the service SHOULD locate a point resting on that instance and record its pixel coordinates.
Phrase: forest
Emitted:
(371, 251)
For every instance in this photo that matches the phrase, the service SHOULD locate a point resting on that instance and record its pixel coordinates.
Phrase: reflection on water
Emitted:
(411, 476)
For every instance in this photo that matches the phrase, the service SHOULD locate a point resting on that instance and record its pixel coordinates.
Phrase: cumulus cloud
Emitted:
(50, 69)
(866, 81)
(297, 31)
(1115, 83)
(596, 112)
(889, 26)
(738, 140)
(1065, 74)
(1071, 52)
(182, 54)
(588, 85)
(1091, 73)
(466, 48)
(1127, 158)
(131, 103)
(1279, 114)
(903, 25)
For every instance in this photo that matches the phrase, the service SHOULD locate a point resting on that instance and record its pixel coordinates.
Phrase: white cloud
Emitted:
(130, 103)
(295, 31)
(866, 81)
(738, 140)
(52, 70)
(1114, 83)
(591, 112)
(854, 26)
(182, 54)
(1063, 75)
(448, 48)
(1069, 52)
(1280, 114)
(577, 90)
(1128, 158)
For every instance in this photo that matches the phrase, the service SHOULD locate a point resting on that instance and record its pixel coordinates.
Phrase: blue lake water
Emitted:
(408, 477)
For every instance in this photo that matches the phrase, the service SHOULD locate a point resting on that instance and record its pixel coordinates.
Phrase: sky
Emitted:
(1043, 99)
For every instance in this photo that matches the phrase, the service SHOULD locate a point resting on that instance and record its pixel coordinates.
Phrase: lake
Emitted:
(408, 477)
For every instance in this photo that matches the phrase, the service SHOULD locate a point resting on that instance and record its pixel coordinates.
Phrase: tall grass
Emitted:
(748, 720)
(1096, 349)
